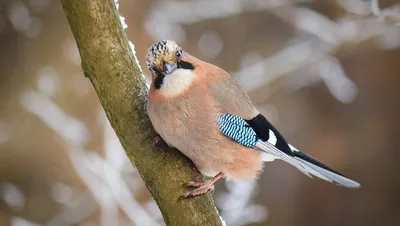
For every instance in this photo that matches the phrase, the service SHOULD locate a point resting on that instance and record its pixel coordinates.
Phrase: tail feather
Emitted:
(268, 148)
(308, 165)
(322, 171)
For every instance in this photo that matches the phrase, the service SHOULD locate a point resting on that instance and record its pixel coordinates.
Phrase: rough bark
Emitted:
(108, 62)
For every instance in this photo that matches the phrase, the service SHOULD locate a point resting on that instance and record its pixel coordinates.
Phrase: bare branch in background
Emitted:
(331, 37)
(110, 64)
(390, 15)
(166, 19)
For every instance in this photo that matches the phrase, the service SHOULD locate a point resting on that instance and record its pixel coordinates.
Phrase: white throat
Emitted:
(177, 82)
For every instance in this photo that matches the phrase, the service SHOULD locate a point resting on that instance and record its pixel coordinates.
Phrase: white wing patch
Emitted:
(177, 82)
(272, 138)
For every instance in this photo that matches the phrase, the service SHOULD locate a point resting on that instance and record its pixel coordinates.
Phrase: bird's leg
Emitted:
(203, 187)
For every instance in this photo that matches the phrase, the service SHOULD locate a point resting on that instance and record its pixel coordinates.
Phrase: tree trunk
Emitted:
(109, 63)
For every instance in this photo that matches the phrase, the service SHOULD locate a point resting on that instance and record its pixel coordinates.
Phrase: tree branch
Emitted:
(108, 62)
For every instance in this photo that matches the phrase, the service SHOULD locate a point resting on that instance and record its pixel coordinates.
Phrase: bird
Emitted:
(201, 110)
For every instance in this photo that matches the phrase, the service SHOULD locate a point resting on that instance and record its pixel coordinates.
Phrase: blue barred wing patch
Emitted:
(237, 129)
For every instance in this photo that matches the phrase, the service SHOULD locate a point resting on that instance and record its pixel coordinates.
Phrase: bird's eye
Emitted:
(152, 69)
(179, 53)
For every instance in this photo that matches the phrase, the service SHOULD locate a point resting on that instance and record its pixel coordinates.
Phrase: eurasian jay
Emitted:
(202, 111)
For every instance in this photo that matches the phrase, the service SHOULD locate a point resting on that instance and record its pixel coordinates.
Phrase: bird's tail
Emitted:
(308, 165)
(322, 171)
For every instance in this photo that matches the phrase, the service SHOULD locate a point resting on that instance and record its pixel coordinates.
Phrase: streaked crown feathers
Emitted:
(160, 52)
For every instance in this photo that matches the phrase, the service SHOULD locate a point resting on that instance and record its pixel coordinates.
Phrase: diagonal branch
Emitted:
(108, 61)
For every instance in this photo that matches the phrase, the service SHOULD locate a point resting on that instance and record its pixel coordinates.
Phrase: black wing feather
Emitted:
(262, 127)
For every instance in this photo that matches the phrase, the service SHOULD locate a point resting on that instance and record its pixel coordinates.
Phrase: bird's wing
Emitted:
(234, 100)
(240, 131)
(230, 96)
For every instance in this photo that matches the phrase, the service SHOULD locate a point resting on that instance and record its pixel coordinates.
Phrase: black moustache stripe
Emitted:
(158, 81)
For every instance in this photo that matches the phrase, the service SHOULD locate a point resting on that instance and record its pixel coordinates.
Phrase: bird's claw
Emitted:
(193, 184)
(200, 188)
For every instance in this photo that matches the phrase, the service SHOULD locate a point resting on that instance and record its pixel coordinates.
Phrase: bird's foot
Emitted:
(158, 142)
(201, 187)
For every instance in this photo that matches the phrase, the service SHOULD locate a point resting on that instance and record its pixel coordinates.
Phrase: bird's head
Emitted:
(166, 58)
(163, 57)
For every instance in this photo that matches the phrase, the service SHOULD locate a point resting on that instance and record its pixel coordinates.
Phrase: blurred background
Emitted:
(326, 73)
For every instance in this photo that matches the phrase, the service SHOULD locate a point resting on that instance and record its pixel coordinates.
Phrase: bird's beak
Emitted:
(169, 68)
